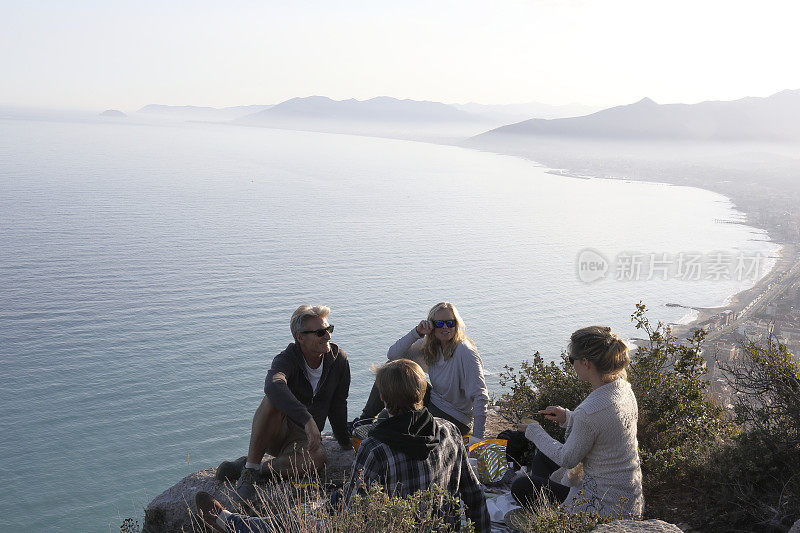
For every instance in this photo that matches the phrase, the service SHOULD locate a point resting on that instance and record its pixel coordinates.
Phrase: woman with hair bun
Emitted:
(458, 390)
(600, 434)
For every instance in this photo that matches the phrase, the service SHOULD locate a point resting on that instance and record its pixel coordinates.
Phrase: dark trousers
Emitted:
(375, 406)
(524, 488)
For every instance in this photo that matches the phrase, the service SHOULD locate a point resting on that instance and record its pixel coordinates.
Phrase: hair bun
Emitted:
(605, 349)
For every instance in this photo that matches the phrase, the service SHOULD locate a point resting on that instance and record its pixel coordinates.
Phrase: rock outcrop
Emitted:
(637, 526)
(172, 510)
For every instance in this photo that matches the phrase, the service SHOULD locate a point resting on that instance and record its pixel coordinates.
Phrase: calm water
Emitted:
(147, 276)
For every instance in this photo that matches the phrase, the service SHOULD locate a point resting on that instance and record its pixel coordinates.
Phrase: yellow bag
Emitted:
(491, 456)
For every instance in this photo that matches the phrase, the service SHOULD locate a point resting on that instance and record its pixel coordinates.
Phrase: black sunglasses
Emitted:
(441, 323)
(573, 359)
(321, 331)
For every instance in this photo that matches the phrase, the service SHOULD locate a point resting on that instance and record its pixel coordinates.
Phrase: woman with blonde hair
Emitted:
(441, 347)
(600, 434)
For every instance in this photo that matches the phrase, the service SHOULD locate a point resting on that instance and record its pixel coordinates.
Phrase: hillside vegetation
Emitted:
(718, 471)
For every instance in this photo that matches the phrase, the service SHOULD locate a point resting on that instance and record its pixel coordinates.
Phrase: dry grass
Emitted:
(548, 517)
(303, 507)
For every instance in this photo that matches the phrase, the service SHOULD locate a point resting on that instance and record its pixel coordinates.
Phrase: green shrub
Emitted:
(751, 484)
(755, 478)
(129, 525)
(679, 424)
(767, 382)
(377, 511)
(535, 386)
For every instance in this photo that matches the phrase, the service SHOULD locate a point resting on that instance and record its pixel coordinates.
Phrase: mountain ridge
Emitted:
(377, 109)
(771, 118)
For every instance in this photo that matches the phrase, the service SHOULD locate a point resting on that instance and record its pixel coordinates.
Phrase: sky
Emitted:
(110, 54)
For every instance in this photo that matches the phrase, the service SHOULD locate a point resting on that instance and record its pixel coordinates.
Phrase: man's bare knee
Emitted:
(265, 428)
(265, 413)
(265, 407)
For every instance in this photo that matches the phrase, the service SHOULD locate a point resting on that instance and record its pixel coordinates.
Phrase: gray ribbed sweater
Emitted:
(601, 434)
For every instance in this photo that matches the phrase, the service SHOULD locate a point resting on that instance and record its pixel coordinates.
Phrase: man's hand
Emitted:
(555, 412)
(312, 432)
(424, 328)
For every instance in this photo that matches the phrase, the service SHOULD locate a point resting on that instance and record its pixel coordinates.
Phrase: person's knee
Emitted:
(265, 413)
(265, 407)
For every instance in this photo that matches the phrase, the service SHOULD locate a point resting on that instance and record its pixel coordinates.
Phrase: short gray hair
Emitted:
(303, 313)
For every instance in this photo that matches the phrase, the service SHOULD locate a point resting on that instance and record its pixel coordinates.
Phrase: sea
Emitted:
(148, 273)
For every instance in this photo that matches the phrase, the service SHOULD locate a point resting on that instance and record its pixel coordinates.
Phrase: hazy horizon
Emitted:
(250, 104)
(91, 55)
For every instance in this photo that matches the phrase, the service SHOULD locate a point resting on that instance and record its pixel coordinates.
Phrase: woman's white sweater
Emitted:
(601, 434)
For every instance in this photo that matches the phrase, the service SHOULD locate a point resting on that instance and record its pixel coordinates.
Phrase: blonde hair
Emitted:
(606, 350)
(402, 385)
(431, 345)
(303, 313)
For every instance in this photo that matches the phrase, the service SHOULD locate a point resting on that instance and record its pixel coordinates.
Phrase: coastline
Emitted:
(787, 257)
(561, 164)
(771, 282)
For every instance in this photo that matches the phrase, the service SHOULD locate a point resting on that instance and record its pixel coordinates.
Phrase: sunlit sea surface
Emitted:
(148, 272)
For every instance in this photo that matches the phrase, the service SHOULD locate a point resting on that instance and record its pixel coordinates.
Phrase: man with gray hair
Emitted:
(308, 382)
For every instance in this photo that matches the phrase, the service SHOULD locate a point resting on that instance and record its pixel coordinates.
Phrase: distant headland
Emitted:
(113, 113)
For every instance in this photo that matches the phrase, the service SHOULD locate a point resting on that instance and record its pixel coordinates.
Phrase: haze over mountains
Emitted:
(382, 117)
(747, 148)
(499, 127)
(510, 113)
(774, 118)
(380, 108)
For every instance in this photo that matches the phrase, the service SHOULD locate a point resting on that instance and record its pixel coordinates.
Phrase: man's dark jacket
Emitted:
(294, 396)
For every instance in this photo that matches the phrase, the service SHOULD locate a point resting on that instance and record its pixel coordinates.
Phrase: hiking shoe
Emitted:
(230, 470)
(245, 489)
(209, 509)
